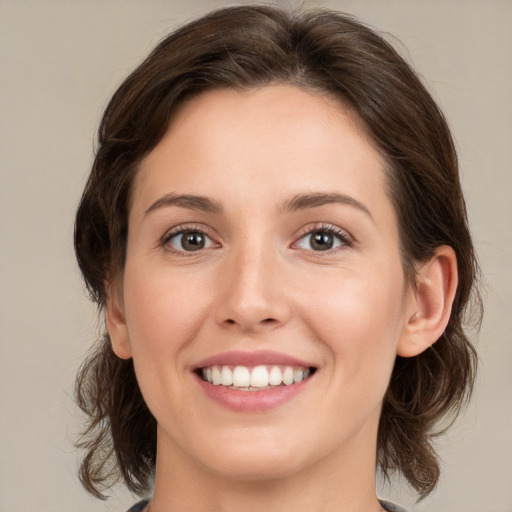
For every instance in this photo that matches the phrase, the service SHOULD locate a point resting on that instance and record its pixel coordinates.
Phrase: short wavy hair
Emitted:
(321, 50)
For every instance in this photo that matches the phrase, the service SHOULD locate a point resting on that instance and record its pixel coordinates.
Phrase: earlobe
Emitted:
(430, 304)
(116, 323)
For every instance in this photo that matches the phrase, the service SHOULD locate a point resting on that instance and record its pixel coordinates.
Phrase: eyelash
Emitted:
(343, 237)
(180, 230)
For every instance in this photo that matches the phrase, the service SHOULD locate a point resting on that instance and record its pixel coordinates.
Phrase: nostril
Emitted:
(264, 321)
(248, 323)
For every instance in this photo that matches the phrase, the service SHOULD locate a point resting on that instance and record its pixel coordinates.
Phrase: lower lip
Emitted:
(252, 401)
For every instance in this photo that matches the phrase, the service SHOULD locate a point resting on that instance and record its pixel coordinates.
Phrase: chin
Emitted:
(255, 461)
(258, 469)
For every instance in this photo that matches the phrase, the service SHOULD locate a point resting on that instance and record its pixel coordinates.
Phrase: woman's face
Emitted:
(262, 245)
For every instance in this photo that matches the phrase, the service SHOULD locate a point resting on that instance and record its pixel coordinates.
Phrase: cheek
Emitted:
(358, 319)
(355, 320)
(163, 311)
(164, 314)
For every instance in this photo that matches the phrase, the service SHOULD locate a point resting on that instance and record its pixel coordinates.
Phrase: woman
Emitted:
(275, 229)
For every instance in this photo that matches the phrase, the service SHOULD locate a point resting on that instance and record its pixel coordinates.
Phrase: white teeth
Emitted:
(216, 380)
(275, 377)
(226, 376)
(288, 376)
(258, 377)
(241, 377)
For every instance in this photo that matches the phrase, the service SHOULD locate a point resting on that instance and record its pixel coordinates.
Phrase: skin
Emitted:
(259, 284)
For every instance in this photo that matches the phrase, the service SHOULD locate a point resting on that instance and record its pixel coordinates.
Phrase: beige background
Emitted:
(60, 62)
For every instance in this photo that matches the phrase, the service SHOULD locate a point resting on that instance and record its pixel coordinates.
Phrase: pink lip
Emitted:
(267, 357)
(252, 401)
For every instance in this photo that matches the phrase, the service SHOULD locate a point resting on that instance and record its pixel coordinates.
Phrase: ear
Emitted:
(430, 304)
(116, 322)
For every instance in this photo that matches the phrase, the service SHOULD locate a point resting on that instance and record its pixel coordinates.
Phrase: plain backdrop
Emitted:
(60, 61)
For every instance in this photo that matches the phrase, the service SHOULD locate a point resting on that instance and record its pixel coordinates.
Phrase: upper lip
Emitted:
(261, 357)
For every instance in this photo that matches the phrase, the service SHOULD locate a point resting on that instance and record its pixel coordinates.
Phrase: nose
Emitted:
(252, 296)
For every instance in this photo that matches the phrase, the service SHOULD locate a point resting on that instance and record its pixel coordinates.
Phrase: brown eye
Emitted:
(323, 239)
(189, 241)
(192, 241)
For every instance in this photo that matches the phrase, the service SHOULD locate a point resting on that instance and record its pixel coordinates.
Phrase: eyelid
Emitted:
(346, 238)
(186, 228)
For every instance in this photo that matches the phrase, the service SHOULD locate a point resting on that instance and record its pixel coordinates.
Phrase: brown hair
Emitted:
(253, 46)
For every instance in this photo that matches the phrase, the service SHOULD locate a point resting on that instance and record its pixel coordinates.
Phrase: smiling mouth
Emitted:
(256, 378)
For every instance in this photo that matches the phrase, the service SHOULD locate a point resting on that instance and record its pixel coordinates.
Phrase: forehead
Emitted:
(235, 144)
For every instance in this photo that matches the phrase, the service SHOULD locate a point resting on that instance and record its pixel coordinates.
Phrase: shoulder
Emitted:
(391, 507)
(138, 507)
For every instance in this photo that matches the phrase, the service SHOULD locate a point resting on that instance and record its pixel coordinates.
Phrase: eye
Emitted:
(323, 239)
(188, 240)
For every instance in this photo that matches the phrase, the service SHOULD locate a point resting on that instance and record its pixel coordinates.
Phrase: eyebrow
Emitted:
(191, 202)
(296, 203)
(316, 199)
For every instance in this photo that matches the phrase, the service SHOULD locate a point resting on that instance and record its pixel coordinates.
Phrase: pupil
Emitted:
(192, 241)
(322, 241)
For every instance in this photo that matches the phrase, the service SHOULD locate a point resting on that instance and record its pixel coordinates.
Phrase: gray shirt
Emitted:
(390, 507)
